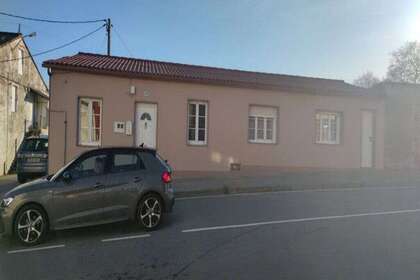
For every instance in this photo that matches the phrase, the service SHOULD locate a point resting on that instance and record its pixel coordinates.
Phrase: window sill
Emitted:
(326, 143)
(262, 142)
(89, 144)
(197, 144)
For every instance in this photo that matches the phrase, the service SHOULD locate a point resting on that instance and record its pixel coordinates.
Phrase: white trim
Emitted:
(196, 128)
(325, 135)
(14, 96)
(20, 61)
(90, 127)
(260, 112)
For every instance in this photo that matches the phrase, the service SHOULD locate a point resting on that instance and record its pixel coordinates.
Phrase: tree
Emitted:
(366, 80)
(405, 64)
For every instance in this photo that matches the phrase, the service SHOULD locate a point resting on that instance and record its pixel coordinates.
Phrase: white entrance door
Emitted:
(368, 139)
(146, 115)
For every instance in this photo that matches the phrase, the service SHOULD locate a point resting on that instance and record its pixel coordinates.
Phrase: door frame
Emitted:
(373, 111)
(134, 128)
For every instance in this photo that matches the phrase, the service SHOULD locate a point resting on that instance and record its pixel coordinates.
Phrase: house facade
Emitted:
(23, 97)
(211, 119)
(402, 130)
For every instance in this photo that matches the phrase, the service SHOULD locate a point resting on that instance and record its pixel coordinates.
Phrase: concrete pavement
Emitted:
(335, 234)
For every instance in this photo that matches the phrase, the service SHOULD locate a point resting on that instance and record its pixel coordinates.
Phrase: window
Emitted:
(90, 120)
(328, 128)
(124, 162)
(20, 62)
(197, 123)
(93, 165)
(13, 98)
(262, 124)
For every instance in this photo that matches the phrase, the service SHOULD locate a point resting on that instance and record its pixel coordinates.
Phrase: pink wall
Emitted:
(227, 123)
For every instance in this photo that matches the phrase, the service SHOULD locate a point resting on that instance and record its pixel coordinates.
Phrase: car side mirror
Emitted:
(67, 177)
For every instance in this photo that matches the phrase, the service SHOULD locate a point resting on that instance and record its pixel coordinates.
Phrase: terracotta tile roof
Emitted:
(150, 69)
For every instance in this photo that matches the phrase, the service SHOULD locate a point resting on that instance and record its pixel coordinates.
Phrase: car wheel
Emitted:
(21, 178)
(149, 212)
(31, 225)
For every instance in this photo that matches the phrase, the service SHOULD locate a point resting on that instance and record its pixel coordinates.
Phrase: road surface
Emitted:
(340, 234)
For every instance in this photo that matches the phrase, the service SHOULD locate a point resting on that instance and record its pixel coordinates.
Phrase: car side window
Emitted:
(91, 166)
(126, 161)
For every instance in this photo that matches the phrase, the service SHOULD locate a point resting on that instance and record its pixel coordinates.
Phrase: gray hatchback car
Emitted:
(100, 186)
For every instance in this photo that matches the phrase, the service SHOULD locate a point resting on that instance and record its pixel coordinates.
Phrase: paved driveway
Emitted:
(334, 234)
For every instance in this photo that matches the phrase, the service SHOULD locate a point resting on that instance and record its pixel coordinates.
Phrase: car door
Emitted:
(126, 178)
(79, 200)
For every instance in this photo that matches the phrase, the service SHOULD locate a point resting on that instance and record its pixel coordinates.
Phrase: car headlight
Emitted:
(6, 201)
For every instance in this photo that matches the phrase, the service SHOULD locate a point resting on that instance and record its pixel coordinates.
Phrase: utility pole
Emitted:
(108, 33)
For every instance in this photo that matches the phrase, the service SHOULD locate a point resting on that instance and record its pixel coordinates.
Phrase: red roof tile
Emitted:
(150, 69)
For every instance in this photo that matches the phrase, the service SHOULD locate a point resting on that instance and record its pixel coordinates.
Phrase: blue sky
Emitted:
(323, 38)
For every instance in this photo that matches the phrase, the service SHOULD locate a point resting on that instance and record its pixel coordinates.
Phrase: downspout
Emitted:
(7, 123)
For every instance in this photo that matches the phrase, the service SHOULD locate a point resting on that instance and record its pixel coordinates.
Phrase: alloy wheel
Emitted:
(150, 212)
(30, 226)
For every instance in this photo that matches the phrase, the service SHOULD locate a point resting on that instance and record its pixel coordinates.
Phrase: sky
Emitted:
(324, 38)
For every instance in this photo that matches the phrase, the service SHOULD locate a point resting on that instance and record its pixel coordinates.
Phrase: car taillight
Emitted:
(166, 177)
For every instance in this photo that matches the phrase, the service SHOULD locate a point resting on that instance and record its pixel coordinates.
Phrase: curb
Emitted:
(226, 190)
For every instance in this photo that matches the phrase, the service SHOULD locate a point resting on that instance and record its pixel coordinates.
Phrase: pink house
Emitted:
(211, 119)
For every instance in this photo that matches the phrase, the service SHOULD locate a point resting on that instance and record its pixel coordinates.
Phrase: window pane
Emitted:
(191, 109)
(202, 109)
(333, 127)
(126, 162)
(97, 121)
(92, 166)
(96, 107)
(260, 123)
(269, 134)
(191, 123)
(318, 129)
(260, 134)
(191, 134)
(251, 134)
(202, 122)
(270, 123)
(201, 135)
(325, 129)
(96, 135)
(84, 135)
(251, 122)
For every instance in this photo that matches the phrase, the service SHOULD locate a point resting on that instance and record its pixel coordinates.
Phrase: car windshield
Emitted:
(35, 145)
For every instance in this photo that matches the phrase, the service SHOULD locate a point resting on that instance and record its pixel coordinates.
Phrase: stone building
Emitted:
(23, 97)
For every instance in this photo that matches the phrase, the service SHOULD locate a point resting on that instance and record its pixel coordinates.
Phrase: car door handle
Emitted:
(137, 179)
(98, 185)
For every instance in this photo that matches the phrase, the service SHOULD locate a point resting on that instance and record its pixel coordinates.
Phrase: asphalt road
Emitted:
(347, 234)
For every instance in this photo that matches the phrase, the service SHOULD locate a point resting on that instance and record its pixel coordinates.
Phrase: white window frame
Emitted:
(13, 101)
(90, 101)
(265, 118)
(326, 137)
(20, 61)
(196, 141)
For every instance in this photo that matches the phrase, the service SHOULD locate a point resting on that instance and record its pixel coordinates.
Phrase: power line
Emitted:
(53, 21)
(123, 42)
(59, 47)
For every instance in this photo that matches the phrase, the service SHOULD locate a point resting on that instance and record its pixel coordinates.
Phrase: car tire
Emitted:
(150, 212)
(21, 178)
(31, 225)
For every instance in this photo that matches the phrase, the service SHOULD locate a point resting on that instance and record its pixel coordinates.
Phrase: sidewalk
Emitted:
(208, 183)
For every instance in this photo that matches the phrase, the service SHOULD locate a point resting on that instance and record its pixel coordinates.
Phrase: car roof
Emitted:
(37, 137)
(143, 149)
